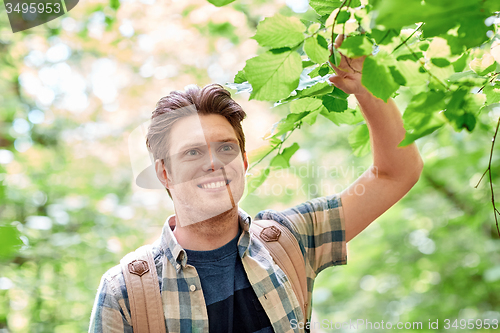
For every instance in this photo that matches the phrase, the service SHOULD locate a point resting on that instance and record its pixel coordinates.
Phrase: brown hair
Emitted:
(211, 99)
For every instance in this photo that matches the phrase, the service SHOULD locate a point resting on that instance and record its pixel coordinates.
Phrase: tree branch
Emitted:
(496, 212)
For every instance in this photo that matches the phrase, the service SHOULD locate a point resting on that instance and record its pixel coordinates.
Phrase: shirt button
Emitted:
(178, 266)
(192, 287)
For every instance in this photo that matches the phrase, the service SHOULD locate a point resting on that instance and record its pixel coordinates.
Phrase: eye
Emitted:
(227, 148)
(192, 152)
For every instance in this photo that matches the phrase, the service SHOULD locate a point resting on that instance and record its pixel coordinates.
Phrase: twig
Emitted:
(495, 209)
(275, 146)
(404, 42)
(423, 67)
(492, 79)
(407, 39)
(333, 25)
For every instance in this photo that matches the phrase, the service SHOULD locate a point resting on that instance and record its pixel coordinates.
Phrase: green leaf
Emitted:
(356, 46)
(310, 119)
(10, 241)
(305, 104)
(355, 3)
(307, 63)
(492, 93)
(463, 75)
(333, 103)
(439, 17)
(319, 88)
(459, 64)
(343, 16)
(324, 7)
(398, 77)
(335, 57)
(378, 79)
(383, 37)
(313, 28)
(359, 139)
(288, 123)
(350, 117)
(421, 132)
(283, 160)
(461, 108)
(273, 75)
(424, 46)
(280, 31)
(423, 104)
(422, 116)
(410, 56)
(440, 62)
(472, 31)
(317, 49)
(323, 70)
(339, 93)
(240, 77)
(469, 121)
(455, 105)
(220, 3)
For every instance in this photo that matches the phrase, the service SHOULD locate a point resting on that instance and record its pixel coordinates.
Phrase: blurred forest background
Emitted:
(72, 92)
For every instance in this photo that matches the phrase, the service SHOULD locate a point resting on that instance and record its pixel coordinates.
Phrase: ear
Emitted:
(245, 161)
(161, 173)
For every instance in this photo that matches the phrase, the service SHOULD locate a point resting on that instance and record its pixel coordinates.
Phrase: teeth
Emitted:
(213, 185)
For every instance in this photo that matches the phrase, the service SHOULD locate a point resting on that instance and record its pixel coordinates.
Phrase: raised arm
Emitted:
(394, 170)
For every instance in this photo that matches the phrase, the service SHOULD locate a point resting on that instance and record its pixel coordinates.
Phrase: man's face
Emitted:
(206, 174)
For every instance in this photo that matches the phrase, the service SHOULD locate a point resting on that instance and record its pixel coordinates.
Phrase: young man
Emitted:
(213, 276)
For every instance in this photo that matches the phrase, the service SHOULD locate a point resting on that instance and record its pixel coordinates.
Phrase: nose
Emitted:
(214, 161)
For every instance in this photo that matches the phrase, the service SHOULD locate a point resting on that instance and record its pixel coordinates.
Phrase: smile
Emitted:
(214, 184)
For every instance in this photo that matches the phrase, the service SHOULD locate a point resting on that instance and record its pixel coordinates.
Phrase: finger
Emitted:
(337, 80)
(338, 71)
(338, 41)
(343, 67)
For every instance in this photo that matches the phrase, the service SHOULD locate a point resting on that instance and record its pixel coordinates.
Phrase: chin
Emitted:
(201, 210)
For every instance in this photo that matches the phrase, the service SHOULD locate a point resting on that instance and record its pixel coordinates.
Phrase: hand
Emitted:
(348, 74)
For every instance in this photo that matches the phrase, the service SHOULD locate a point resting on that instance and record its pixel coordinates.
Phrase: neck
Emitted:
(209, 234)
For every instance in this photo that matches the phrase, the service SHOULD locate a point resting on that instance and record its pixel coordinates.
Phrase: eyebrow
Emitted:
(195, 145)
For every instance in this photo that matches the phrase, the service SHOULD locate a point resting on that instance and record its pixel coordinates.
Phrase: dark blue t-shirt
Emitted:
(232, 305)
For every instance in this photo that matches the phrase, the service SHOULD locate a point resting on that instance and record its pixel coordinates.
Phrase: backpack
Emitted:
(141, 278)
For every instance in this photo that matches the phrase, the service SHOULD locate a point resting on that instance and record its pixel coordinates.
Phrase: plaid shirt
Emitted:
(318, 226)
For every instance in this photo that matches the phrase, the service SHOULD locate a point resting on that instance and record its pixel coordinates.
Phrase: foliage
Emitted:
(447, 66)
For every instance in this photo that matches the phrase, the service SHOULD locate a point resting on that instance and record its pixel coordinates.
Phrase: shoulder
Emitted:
(114, 279)
(113, 285)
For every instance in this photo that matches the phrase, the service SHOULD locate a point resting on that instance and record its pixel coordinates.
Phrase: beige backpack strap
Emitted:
(285, 251)
(144, 296)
